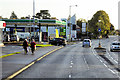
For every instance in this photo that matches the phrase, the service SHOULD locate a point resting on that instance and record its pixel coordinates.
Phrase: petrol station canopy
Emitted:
(29, 22)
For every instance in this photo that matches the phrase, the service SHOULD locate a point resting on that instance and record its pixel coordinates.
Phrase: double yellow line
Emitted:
(24, 68)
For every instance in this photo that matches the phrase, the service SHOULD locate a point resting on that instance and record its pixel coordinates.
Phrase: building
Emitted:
(41, 29)
(2, 26)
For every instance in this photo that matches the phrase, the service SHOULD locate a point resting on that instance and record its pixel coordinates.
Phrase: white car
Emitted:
(86, 42)
(115, 46)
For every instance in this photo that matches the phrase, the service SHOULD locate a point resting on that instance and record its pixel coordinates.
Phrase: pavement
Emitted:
(11, 64)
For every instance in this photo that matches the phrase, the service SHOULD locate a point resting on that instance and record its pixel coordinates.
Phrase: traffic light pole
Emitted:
(99, 34)
(70, 20)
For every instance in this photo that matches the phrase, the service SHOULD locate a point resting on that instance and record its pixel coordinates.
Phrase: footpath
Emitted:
(11, 64)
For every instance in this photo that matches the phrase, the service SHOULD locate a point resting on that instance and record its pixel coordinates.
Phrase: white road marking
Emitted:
(80, 42)
(106, 65)
(70, 66)
(72, 57)
(71, 63)
(112, 58)
(86, 62)
(70, 76)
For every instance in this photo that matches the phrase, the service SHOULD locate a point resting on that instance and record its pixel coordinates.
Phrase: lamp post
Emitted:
(30, 27)
(34, 17)
(87, 26)
(70, 18)
(99, 33)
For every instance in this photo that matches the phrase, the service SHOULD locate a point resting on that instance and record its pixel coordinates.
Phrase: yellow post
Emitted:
(57, 34)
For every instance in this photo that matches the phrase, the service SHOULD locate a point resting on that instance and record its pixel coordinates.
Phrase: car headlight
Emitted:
(113, 47)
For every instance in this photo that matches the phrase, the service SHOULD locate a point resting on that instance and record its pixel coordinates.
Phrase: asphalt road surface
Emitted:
(73, 61)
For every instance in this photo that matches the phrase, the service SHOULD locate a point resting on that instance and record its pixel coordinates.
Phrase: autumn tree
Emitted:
(104, 23)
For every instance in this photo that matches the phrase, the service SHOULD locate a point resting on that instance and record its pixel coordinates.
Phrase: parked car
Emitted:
(14, 38)
(86, 42)
(115, 46)
(58, 41)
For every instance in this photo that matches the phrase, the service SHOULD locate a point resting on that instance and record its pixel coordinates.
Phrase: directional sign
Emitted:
(99, 30)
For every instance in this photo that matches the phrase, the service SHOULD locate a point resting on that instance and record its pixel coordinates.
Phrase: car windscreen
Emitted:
(86, 41)
(115, 43)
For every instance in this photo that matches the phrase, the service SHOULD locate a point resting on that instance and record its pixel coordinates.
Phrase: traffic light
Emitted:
(74, 27)
(64, 30)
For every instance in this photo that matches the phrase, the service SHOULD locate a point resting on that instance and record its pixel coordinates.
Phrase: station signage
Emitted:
(2, 24)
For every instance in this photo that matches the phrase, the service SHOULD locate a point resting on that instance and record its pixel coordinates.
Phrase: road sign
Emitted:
(99, 30)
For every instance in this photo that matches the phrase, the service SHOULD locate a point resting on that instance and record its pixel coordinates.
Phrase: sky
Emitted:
(60, 8)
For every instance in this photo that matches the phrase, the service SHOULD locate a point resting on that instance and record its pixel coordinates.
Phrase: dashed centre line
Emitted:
(70, 76)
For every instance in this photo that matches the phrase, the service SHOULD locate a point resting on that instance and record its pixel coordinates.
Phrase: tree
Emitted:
(0, 17)
(13, 15)
(112, 28)
(43, 14)
(22, 18)
(104, 24)
(80, 21)
(53, 18)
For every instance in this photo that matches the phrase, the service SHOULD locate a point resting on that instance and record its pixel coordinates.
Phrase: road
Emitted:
(73, 61)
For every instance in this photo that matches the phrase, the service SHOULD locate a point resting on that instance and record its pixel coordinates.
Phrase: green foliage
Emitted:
(80, 21)
(22, 18)
(104, 23)
(13, 15)
(43, 14)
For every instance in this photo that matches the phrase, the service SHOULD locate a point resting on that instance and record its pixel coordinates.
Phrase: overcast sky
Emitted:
(60, 8)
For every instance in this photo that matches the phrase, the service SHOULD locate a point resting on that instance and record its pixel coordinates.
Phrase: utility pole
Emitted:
(30, 26)
(87, 29)
(34, 17)
(70, 22)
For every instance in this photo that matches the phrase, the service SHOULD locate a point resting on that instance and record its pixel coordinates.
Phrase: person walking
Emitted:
(25, 45)
(33, 46)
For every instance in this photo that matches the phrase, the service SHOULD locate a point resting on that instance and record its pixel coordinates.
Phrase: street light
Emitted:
(34, 17)
(87, 26)
(70, 18)
(30, 27)
(99, 33)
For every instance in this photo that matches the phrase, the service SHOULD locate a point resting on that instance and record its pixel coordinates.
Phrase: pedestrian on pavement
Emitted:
(25, 45)
(33, 46)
